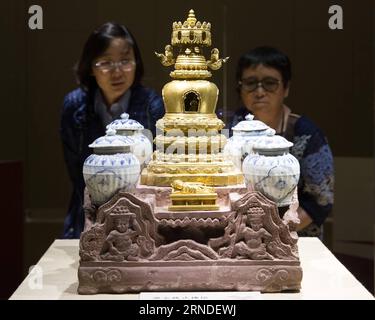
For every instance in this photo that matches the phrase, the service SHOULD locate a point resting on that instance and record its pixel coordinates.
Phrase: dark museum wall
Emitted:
(333, 84)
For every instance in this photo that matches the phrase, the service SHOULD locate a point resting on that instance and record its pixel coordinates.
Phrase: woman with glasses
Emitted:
(109, 75)
(263, 78)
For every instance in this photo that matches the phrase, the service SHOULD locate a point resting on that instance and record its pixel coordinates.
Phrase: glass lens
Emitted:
(270, 84)
(126, 65)
(104, 65)
(250, 84)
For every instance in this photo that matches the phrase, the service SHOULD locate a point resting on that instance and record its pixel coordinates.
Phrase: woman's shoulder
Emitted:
(305, 126)
(144, 94)
(75, 108)
(74, 99)
(307, 133)
(146, 97)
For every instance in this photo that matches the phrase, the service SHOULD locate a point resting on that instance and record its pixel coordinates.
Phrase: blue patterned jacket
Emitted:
(80, 126)
(315, 187)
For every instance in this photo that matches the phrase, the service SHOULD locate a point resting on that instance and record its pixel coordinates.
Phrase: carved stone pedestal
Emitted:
(135, 245)
(224, 275)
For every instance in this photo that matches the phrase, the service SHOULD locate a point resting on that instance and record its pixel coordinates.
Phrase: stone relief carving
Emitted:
(256, 232)
(125, 229)
(254, 237)
(121, 242)
(184, 250)
(91, 243)
(254, 245)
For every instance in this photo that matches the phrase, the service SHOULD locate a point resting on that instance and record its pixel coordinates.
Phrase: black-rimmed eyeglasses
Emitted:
(251, 84)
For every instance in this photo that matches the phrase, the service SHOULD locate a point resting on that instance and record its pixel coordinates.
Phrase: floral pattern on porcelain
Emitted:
(142, 147)
(245, 134)
(276, 177)
(112, 167)
(272, 170)
(106, 174)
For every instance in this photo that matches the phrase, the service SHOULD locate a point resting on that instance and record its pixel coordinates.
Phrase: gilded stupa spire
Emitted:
(189, 143)
(191, 18)
(188, 39)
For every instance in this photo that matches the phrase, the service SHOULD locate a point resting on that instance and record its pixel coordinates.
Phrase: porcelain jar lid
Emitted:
(112, 142)
(250, 125)
(272, 144)
(125, 124)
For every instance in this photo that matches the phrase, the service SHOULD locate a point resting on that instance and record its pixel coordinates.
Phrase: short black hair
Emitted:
(268, 56)
(96, 44)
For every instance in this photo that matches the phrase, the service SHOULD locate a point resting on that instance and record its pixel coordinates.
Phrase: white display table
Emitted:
(324, 277)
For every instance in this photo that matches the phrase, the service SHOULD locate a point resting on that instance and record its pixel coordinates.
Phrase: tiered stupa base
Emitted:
(209, 179)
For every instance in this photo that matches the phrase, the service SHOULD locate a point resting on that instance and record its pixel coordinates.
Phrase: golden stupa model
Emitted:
(209, 232)
(190, 146)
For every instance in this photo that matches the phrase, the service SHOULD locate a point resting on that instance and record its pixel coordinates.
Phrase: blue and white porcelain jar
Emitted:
(111, 167)
(142, 147)
(272, 170)
(245, 133)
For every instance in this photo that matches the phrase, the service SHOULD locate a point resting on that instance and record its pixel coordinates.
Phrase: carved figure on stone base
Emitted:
(255, 237)
(120, 243)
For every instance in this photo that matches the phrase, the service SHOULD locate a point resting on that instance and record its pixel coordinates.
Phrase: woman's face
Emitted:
(267, 96)
(115, 80)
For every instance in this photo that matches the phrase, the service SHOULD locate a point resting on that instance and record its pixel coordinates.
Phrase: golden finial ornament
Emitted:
(166, 59)
(191, 18)
(189, 38)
